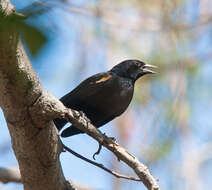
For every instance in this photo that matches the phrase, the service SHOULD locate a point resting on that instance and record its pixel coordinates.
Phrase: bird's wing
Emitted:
(85, 89)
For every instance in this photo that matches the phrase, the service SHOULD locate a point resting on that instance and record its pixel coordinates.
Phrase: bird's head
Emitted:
(133, 69)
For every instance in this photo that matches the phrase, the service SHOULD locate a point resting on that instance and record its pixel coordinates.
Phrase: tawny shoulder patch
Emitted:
(103, 79)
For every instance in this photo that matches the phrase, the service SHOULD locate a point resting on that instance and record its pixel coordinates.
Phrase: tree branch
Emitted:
(37, 151)
(55, 109)
(8, 175)
(139, 168)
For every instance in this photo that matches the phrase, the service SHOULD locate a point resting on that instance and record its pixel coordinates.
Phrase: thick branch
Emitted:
(37, 151)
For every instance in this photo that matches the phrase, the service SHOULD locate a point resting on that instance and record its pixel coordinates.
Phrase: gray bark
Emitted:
(34, 138)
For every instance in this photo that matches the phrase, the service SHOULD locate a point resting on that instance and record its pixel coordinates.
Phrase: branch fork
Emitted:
(82, 123)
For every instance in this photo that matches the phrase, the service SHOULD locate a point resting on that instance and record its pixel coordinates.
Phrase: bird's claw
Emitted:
(100, 146)
(98, 151)
(112, 138)
(82, 114)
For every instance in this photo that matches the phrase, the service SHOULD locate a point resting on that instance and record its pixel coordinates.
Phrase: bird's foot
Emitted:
(100, 146)
(98, 151)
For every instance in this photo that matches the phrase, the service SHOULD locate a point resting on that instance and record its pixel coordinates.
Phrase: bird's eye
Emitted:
(137, 64)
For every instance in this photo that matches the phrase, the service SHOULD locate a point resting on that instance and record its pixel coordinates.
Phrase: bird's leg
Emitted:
(82, 114)
(100, 146)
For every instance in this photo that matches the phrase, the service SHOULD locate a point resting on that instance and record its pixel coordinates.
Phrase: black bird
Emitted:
(104, 96)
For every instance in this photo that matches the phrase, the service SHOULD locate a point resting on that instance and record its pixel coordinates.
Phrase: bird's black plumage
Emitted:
(104, 96)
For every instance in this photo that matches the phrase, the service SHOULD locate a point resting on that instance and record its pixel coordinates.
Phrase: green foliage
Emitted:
(33, 37)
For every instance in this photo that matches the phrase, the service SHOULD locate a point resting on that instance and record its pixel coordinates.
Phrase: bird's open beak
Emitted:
(146, 69)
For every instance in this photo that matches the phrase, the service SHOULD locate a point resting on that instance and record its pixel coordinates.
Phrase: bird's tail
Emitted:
(70, 131)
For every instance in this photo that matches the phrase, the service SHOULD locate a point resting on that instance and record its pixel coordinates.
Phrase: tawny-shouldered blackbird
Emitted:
(104, 96)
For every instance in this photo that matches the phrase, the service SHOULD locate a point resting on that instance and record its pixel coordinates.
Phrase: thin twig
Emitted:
(100, 165)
